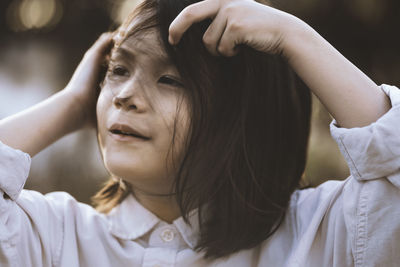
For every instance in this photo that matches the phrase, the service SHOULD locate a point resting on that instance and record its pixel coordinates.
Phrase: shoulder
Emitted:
(361, 215)
(307, 203)
(309, 206)
(58, 216)
(54, 225)
(57, 207)
(351, 196)
(315, 194)
(307, 221)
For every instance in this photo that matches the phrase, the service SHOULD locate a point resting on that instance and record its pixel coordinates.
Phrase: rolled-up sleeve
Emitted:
(371, 197)
(374, 151)
(30, 230)
(14, 170)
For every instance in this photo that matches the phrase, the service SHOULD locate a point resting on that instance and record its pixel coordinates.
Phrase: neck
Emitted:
(164, 207)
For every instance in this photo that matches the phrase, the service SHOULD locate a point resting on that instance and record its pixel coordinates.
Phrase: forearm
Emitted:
(350, 96)
(74, 107)
(35, 128)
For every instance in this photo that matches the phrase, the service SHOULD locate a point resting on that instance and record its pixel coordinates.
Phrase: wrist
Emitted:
(75, 106)
(295, 33)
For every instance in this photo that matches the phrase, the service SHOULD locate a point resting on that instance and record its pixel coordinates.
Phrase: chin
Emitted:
(141, 175)
(122, 168)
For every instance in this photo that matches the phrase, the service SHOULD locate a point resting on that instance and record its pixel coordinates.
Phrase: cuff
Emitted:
(373, 151)
(14, 170)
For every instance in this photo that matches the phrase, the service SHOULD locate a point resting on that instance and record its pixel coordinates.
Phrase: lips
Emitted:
(125, 130)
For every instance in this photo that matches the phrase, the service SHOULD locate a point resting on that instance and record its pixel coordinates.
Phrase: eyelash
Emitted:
(113, 70)
(170, 81)
(122, 71)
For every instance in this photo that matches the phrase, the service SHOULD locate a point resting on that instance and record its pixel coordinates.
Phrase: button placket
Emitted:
(159, 257)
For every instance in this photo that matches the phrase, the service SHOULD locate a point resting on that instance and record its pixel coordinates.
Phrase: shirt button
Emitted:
(167, 235)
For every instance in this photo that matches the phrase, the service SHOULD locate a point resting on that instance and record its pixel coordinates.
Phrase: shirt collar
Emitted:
(130, 220)
(190, 233)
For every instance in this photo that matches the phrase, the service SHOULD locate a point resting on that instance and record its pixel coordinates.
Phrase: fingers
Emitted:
(103, 44)
(212, 36)
(93, 59)
(190, 15)
(220, 38)
(229, 39)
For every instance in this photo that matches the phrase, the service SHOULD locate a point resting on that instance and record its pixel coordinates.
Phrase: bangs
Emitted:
(142, 18)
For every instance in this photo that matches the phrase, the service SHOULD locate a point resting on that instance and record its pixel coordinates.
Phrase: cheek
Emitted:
(103, 104)
(180, 123)
(183, 120)
(101, 108)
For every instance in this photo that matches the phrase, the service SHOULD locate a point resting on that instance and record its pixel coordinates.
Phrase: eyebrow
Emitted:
(155, 55)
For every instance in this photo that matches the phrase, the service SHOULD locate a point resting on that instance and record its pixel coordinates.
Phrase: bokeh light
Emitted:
(121, 9)
(25, 15)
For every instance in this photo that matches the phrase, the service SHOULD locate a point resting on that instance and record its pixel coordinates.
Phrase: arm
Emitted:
(68, 110)
(34, 129)
(30, 223)
(349, 95)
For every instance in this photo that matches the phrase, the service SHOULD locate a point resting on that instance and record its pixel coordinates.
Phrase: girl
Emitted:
(205, 136)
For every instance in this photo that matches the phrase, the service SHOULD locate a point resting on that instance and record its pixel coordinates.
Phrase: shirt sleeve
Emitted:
(14, 170)
(371, 196)
(44, 230)
(30, 230)
(373, 151)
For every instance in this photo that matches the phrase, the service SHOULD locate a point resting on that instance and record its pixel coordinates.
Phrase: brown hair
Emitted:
(115, 190)
(248, 139)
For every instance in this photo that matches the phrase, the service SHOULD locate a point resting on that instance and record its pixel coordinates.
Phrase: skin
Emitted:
(349, 95)
(137, 92)
(71, 109)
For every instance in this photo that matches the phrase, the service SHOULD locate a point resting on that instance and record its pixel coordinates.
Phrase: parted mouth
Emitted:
(123, 129)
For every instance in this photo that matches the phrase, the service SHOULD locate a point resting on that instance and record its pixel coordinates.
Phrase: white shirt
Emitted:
(355, 222)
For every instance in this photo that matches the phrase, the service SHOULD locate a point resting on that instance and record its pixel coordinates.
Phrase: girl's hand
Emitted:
(37, 127)
(348, 94)
(83, 86)
(234, 22)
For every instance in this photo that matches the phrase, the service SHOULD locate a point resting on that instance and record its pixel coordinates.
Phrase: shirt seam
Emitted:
(349, 157)
(361, 228)
(57, 258)
(14, 254)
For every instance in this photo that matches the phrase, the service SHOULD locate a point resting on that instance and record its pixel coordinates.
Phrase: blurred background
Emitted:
(42, 42)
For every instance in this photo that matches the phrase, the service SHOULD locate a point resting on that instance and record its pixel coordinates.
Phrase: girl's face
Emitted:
(142, 95)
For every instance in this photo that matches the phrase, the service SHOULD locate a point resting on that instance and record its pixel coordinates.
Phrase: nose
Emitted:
(130, 99)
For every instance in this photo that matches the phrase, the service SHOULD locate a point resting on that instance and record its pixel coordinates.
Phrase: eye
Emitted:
(170, 81)
(118, 70)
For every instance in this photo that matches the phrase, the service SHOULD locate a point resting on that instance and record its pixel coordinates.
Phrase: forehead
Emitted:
(144, 43)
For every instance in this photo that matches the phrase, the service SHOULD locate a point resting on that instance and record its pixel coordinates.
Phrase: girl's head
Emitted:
(225, 135)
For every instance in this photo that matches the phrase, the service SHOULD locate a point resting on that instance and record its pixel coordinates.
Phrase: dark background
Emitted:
(42, 42)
